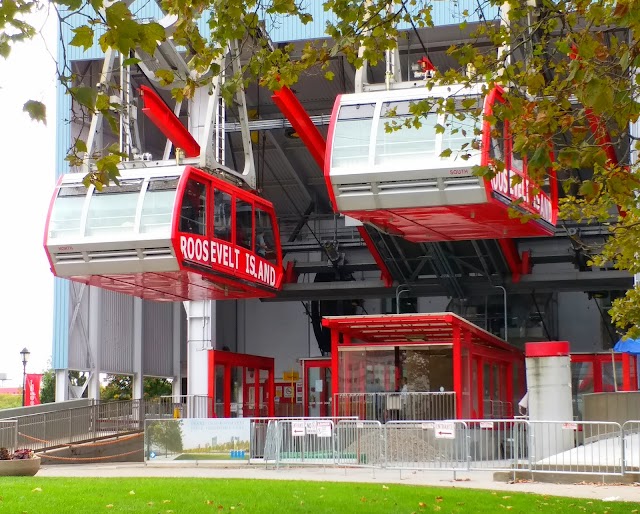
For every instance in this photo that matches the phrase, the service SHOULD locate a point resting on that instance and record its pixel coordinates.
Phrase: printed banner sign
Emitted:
(32, 389)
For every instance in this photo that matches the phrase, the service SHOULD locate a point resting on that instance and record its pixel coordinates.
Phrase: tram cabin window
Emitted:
(192, 216)
(244, 224)
(496, 151)
(265, 242)
(397, 141)
(222, 215)
(157, 206)
(459, 133)
(112, 210)
(67, 212)
(352, 135)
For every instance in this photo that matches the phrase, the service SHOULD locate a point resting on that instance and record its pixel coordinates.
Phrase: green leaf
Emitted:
(102, 102)
(446, 153)
(131, 61)
(599, 95)
(85, 96)
(37, 110)
(80, 145)
(329, 75)
(83, 37)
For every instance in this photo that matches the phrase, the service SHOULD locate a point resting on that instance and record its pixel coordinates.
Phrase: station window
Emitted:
(395, 140)
(192, 213)
(222, 215)
(352, 135)
(157, 206)
(112, 210)
(244, 229)
(67, 212)
(265, 240)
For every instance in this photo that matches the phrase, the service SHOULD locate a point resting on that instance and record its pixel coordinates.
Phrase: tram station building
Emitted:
(487, 287)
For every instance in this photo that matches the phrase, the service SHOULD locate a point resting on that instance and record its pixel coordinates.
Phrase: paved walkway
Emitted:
(474, 480)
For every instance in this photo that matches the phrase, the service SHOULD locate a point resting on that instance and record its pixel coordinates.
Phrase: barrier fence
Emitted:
(385, 407)
(593, 448)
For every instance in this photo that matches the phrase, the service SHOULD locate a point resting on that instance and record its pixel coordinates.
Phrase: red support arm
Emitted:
(168, 123)
(386, 274)
(301, 123)
(514, 261)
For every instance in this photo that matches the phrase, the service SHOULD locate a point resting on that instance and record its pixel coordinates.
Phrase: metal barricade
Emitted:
(426, 445)
(409, 406)
(305, 442)
(359, 443)
(9, 434)
(498, 444)
(631, 449)
(586, 447)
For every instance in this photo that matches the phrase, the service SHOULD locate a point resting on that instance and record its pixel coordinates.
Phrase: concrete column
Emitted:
(137, 389)
(62, 385)
(200, 327)
(176, 389)
(549, 399)
(95, 304)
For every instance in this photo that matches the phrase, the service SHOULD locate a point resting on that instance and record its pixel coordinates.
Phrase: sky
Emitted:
(27, 164)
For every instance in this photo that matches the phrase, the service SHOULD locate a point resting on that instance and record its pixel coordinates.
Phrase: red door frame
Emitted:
(322, 363)
(244, 361)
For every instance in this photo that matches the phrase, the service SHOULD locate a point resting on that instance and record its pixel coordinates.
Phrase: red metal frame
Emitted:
(597, 361)
(464, 337)
(239, 360)
(168, 123)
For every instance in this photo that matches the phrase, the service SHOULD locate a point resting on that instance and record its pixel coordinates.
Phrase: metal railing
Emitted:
(515, 445)
(43, 430)
(385, 407)
(9, 434)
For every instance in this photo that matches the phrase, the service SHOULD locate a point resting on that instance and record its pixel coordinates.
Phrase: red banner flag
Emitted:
(32, 389)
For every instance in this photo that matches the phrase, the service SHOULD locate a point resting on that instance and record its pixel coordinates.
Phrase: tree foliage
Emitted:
(119, 387)
(569, 69)
(165, 434)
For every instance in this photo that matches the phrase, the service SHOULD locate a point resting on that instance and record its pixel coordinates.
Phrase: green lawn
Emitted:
(9, 401)
(188, 495)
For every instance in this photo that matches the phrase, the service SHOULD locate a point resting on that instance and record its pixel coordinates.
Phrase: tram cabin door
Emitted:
(317, 387)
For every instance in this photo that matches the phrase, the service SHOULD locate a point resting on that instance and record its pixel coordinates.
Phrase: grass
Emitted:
(175, 495)
(10, 401)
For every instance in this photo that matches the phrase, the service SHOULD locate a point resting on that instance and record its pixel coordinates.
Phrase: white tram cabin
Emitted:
(166, 233)
(399, 182)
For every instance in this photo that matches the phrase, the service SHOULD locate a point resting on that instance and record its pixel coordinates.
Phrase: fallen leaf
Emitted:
(132, 492)
(209, 502)
(385, 487)
(232, 508)
(506, 497)
(363, 499)
(37, 490)
(422, 505)
(166, 501)
(110, 506)
(150, 504)
(437, 507)
(439, 498)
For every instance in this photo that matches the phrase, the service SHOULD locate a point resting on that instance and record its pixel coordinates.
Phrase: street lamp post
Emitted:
(25, 357)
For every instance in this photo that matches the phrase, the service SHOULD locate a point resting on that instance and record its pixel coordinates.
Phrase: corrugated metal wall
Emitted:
(115, 342)
(77, 302)
(157, 339)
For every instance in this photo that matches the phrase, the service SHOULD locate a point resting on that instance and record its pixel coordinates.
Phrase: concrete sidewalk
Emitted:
(474, 480)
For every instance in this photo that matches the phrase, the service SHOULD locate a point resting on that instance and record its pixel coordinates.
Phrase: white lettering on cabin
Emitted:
(540, 203)
(222, 254)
